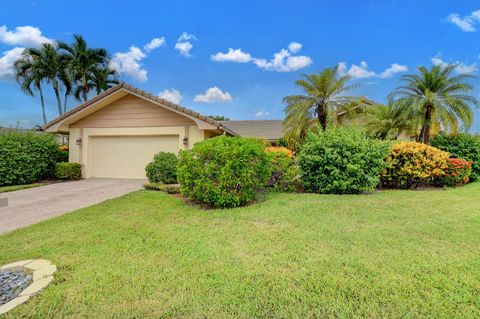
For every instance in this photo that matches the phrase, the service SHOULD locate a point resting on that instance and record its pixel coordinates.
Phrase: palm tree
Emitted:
(389, 121)
(82, 63)
(29, 72)
(436, 96)
(324, 93)
(53, 66)
(103, 79)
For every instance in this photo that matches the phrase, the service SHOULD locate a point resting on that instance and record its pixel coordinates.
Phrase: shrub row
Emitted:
(27, 157)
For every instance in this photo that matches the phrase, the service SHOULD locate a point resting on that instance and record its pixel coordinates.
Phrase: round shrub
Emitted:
(457, 172)
(410, 164)
(341, 161)
(163, 169)
(284, 172)
(223, 171)
(463, 146)
(68, 171)
(26, 157)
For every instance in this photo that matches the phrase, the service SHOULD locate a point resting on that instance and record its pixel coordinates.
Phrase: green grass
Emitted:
(12, 188)
(147, 254)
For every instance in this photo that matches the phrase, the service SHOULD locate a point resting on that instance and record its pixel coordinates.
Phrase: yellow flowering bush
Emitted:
(410, 164)
(280, 149)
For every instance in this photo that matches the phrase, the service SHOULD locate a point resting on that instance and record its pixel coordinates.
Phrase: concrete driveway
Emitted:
(33, 205)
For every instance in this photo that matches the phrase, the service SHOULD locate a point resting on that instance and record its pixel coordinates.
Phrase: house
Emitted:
(116, 133)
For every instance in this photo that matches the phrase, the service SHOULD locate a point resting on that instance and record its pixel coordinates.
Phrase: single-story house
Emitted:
(116, 133)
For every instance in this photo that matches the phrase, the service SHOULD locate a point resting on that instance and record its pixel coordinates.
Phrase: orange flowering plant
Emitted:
(410, 164)
(280, 149)
(457, 173)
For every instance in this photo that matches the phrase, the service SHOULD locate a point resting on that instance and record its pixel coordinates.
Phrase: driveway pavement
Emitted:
(33, 205)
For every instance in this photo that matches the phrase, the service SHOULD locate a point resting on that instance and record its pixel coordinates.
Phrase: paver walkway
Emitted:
(29, 206)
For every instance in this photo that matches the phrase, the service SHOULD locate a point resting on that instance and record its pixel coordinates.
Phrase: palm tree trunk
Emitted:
(57, 95)
(42, 101)
(65, 101)
(426, 127)
(322, 116)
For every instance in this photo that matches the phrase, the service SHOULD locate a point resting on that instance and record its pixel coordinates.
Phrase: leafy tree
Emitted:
(103, 79)
(436, 96)
(388, 121)
(324, 93)
(218, 118)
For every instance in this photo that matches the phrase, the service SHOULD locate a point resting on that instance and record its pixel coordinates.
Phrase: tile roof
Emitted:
(270, 130)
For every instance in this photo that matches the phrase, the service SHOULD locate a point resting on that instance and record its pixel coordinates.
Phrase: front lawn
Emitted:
(12, 188)
(147, 254)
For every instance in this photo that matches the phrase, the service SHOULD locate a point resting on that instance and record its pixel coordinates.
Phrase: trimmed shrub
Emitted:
(26, 157)
(457, 173)
(62, 153)
(223, 171)
(341, 160)
(163, 169)
(410, 164)
(463, 146)
(69, 171)
(285, 175)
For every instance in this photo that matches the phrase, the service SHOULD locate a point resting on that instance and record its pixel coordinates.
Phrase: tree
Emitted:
(53, 65)
(82, 62)
(388, 121)
(103, 79)
(218, 118)
(324, 93)
(29, 74)
(436, 96)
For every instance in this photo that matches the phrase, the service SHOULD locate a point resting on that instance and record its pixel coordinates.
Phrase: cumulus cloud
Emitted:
(184, 44)
(25, 36)
(393, 69)
(294, 47)
(461, 68)
(155, 43)
(362, 71)
(7, 68)
(232, 55)
(129, 63)
(213, 95)
(466, 23)
(171, 95)
(262, 114)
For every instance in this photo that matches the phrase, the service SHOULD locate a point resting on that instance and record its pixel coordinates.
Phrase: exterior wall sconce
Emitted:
(185, 140)
(78, 141)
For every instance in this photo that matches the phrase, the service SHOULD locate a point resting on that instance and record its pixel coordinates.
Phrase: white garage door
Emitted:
(127, 156)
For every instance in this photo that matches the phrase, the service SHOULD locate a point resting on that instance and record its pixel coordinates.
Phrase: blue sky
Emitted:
(375, 41)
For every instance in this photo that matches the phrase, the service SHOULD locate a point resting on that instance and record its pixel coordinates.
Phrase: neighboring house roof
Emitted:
(131, 89)
(270, 130)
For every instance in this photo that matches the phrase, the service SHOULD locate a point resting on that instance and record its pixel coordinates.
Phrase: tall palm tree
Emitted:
(53, 66)
(435, 95)
(103, 79)
(324, 93)
(82, 63)
(29, 72)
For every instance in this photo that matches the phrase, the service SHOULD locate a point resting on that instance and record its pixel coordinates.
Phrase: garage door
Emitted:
(127, 156)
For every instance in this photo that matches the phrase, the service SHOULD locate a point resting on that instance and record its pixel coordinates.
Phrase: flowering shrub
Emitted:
(63, 148)
(457, 173)
(285, 175)
(280, 149)
(410, 164)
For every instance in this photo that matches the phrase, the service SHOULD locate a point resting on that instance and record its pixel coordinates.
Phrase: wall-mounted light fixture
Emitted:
(185, 140)
(78, 141)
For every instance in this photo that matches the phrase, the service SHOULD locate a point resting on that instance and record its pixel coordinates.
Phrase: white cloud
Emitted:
(7, 68)
(213, 95)
(155, 43)
(393, 69)
(262, 114)
(232, 55)
(171, 95)
(362, 71)
(25, 35)
(184, 44)
(461, 68)
(129, 63)
(282, 61)
(294, 47)
(467, 23)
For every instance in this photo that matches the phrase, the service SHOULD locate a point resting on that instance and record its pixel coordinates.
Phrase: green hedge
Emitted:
(26, 157)
(69, 171)
(223, 171)
(163, 168)
(341, 161)
(463, 146)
